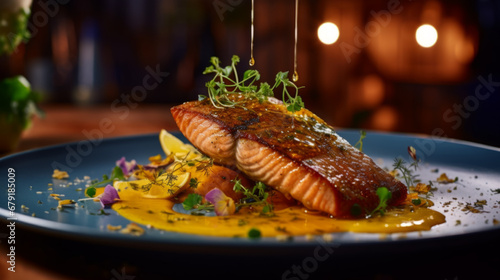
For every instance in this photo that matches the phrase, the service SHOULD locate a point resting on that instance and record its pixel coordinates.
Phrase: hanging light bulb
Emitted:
(328, 33)
(426, 35)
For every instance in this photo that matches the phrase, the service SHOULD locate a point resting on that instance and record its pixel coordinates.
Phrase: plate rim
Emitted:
(70, 231)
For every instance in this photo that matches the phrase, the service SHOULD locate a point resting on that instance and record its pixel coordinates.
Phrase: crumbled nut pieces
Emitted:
(58, 174)
(443, 179)
(476, 207)
(65, 203)
(56, 196)
(133, 229)
(480, 203)
(114, 228)
(422, 188)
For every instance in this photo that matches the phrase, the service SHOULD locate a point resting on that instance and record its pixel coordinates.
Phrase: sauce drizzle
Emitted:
(291, 221)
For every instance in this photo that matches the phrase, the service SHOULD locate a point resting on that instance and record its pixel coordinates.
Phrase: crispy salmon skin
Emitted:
(297, 154)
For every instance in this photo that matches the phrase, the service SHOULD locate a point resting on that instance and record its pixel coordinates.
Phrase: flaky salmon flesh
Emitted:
(297, 154)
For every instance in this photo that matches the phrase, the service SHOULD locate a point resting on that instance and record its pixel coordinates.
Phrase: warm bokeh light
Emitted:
(328, 33)
(385, 118)
(426, 35)
(372, 90)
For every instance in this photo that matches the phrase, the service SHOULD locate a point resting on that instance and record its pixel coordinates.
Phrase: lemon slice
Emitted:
(160, 189)
(171, 144)
(168, 190)
(130, 189)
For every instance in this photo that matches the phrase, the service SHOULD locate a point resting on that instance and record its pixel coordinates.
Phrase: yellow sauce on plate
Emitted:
(292, 221)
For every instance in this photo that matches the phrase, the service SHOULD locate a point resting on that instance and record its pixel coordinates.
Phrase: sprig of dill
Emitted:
(226, 81)
(405, 168)
(203, 164)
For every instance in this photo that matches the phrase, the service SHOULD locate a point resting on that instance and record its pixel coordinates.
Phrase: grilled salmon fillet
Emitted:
(297, 154)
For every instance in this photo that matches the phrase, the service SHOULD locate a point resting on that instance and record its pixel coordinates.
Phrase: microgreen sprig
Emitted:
(116, 175)
(359, 144)
(256, 196)
(384, 196)
(226, 81)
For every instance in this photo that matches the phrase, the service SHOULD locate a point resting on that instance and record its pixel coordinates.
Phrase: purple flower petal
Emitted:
(109, 196)
(215, 195)
(223, 205)
(126, 166)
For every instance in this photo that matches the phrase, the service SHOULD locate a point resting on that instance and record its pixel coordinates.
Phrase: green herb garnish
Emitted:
(384, 195)
(226, 81)
(191, 201)
(116, 175)
(254, 233)
(193, 183)
(90, 191)
(256, 196)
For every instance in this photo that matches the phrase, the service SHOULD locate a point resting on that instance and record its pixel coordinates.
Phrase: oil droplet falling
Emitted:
(252, 61)
(295, 76)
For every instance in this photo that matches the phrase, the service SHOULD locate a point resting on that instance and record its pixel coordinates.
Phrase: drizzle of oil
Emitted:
(252, 60)
(295, 76)
(292, 221)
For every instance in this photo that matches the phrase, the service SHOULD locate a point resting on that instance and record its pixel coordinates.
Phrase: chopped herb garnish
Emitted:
(416, 201)
(90, 191)
(193, 183)
(254, 233)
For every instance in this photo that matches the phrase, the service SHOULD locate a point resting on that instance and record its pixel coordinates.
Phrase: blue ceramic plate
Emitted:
(477, 168)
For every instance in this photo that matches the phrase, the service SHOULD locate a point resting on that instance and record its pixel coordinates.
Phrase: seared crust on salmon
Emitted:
(297, 154)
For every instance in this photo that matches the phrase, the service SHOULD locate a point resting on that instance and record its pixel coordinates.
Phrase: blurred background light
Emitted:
(381, 74)
(328, 33)
(426, 35)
